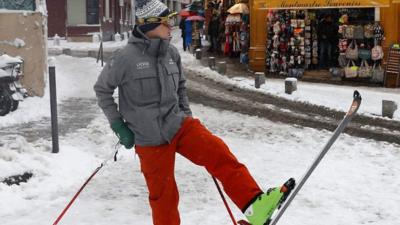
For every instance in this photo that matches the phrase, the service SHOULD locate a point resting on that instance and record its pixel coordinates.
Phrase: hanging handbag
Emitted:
(368, 31)
(342, 45)
(378, 32)
(377, 53)
(342, 60)
(352, 51)
(296, 72)
(349, 32)
(377, 74)
(350, 71)
(358, 32)
(365, 71)
(364, 54)
(336, 72)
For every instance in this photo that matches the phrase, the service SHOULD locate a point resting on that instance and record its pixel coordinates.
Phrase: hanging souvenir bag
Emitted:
(277, 27)
(368, 31)
(342, 30)
(296, 72)
(336, 72)
(377, 74)
(298, 31)
(342, 45)
(275, 41)
(342, 60)
(378, 32)
(358, 32)
(364, 54)
(377, 53)
(350, 71)
(352, 51)
(314, 60)
(365, 71)
(349, 32)
(297, 41)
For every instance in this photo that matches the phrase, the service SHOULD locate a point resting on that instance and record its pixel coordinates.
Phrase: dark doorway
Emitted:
(92, 16)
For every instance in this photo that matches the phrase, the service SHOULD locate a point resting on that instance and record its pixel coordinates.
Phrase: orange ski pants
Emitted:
(196, 143)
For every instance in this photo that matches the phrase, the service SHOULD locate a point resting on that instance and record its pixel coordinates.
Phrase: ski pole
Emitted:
(343, 124)
(225, 203)
(114, 156)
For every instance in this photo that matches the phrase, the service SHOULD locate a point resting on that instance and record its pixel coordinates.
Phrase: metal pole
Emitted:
(53, 105)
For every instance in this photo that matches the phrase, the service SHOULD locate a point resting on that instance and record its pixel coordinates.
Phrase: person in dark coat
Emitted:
(213, 29)
(182, 27)
(328, 36)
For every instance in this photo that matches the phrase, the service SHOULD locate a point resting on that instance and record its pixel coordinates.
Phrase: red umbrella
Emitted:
(185, 13)
(193, 18)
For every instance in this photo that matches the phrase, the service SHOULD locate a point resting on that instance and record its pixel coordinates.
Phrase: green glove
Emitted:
(125, 135)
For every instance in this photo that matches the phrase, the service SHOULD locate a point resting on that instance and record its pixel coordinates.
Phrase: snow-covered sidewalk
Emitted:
(332, 96)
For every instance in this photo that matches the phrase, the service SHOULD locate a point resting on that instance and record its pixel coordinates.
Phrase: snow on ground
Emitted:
(332, 96)
(356, 183)
(75, 78)
(86, 46)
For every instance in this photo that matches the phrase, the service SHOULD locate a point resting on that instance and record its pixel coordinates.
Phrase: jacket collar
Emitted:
(152, 46)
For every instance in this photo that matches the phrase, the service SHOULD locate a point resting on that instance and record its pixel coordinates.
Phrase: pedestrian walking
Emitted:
(183, 32)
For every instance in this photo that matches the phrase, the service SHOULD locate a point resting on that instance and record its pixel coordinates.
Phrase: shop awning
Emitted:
(318, 4)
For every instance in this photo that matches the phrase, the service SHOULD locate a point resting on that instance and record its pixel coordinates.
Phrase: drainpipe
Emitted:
(121, 22)
(133, 9)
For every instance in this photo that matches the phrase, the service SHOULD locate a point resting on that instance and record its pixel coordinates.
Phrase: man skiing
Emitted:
(153, 114)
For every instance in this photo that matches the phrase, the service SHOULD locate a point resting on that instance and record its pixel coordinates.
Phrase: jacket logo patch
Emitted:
(171, 62)
(142, 65)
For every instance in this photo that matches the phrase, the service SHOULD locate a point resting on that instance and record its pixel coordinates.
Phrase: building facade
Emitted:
(78, 20)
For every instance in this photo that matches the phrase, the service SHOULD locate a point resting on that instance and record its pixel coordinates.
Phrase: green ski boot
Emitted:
(262, 209)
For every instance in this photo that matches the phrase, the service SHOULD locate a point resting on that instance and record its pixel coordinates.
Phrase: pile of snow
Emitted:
(6, 59)
(85, 46)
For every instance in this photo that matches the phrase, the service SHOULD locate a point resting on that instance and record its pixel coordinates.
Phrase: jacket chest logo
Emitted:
(142, 65)
(171, 62)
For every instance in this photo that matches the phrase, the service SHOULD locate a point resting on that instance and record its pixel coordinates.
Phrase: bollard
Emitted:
(117, 37)
(259, 79)
(95, 38)
(53, 105)
(211, 62)
(290, 85)
(388, 108)
(56, 40)
(221, 67)
(198, 53)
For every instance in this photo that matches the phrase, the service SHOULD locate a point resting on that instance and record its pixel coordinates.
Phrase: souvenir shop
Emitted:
(237, 35)
(344, 41)
(339, 40)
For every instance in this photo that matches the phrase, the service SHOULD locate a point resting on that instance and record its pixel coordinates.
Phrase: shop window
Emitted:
(18, 5)
(92, 15)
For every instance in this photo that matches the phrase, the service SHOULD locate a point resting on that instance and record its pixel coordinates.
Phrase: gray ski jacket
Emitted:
(151, 89)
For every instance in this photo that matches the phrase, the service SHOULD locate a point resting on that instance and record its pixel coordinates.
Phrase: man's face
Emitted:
(163, 31)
